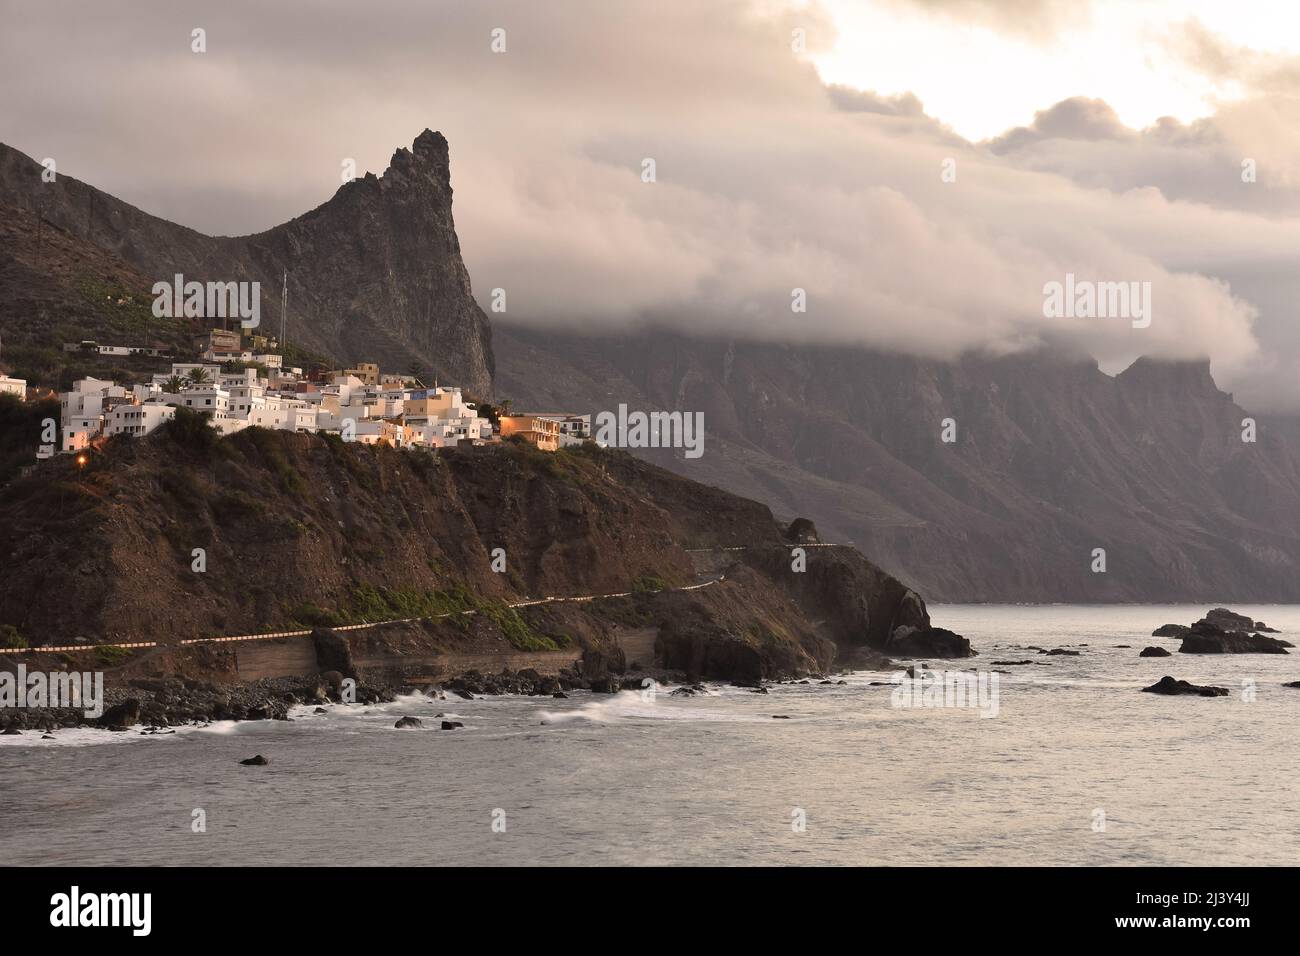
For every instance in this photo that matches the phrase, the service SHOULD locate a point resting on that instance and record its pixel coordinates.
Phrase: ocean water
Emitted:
(597, 779)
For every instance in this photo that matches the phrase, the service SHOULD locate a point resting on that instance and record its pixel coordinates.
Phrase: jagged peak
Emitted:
(1181, 375)
(430, 142)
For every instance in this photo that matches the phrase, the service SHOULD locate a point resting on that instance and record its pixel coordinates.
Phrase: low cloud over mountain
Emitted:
(766, 180)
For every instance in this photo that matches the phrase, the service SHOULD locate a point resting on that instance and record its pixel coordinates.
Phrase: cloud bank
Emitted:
(901, 234)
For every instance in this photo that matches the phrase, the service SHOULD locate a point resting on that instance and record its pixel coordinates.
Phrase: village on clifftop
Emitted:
(237, 387)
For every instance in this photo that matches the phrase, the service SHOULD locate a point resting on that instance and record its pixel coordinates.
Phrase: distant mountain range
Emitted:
(1053, 458)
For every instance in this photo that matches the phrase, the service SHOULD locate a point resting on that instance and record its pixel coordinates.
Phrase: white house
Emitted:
(13, 386)
(79, 431)
(138, 420)
(574, 429)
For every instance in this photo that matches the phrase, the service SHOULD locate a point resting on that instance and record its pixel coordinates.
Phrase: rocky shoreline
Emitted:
(159, 705)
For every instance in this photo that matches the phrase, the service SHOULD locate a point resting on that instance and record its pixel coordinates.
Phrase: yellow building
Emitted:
(542, 432)
(368, 372)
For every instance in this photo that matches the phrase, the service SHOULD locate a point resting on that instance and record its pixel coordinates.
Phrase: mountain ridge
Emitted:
(375, 272)
(1053, 459)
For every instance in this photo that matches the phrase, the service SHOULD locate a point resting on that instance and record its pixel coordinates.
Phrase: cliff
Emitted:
(298, 531)
(1053, 458)
(375, 273)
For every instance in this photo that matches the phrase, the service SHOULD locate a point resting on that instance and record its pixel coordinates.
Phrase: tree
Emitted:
(174, 385)
(199, 375)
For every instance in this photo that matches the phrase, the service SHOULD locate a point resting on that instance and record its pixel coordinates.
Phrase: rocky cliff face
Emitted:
(300, 530)
(1053, 459)
(374, 274)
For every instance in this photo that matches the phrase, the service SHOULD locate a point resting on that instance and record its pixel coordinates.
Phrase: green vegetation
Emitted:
(367, 604)
(648, 584)
(634, 611)
(124, 317)
(231, 506)
(767, 635)
(113, 656)
(10, 638)
(191, 430)
(270, 449)
(21, 427)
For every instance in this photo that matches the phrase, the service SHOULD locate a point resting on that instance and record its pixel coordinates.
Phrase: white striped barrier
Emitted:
(191, 642)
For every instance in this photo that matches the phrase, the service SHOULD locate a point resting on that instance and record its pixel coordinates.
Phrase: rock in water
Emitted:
(409, 722)
(1154, 652)
(258, 761)
(1167, 685)
(451, 724)
(1224, 620)
(1230, 642)
(1223, 632)
(911, 641)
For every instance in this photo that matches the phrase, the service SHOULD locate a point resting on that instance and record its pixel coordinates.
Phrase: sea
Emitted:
(1063, 761)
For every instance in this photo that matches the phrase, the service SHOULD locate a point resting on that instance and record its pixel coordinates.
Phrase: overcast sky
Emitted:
(1105, 140)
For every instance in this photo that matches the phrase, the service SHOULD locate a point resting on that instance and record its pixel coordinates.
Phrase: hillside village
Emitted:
(236, 387)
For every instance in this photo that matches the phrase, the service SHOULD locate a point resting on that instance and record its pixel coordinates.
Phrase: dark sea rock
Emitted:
(1154, 652)
(258, 761)
(1225, 620)
(408, 722)
(930, 642)
(1205, 641)
(1224, 632)
(121, 716)
(1171, 687)
(1060, 652)
(451, 724)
